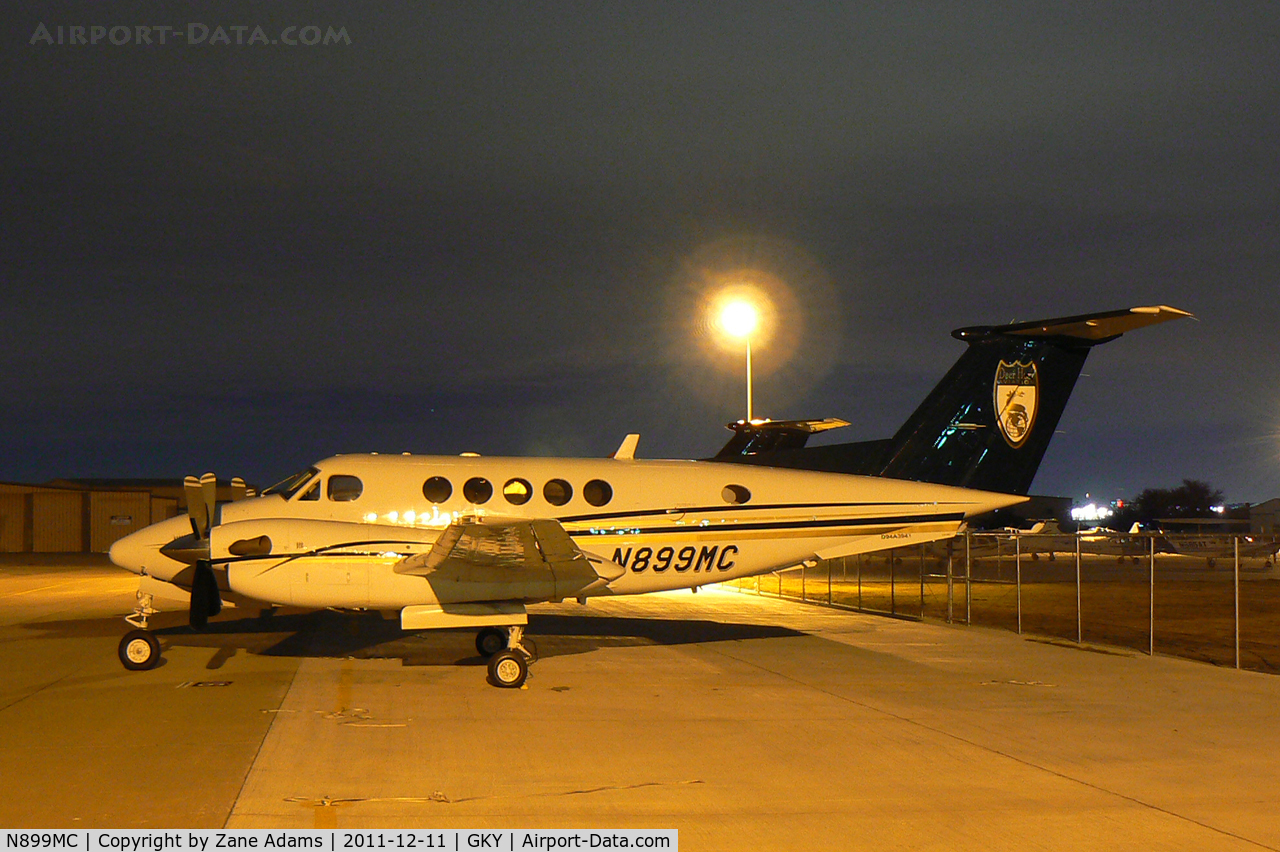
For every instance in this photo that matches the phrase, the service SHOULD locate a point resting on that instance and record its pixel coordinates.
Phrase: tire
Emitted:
(491, 640)
(139, 650)
(508, 669)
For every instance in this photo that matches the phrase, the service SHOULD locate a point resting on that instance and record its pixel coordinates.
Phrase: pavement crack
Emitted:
(38, 690)
(439, 797)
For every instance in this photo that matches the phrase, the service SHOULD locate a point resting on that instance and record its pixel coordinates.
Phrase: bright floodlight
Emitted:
(739, 318)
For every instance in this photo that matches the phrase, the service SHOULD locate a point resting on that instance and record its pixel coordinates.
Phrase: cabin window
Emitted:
(597, 492)
(517, 491)
(312, 493)
(735, 495)
(558, 492)
(344, 489)
(437, 489)
(477, 490)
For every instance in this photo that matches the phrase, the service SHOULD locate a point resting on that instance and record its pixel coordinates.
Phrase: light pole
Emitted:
(739, 319)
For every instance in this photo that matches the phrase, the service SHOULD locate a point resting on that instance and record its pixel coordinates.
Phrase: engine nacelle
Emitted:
(312, 563)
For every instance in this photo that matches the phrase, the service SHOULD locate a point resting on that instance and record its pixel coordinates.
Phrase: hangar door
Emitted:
(57, 518)
(13, 516)
(113, 515)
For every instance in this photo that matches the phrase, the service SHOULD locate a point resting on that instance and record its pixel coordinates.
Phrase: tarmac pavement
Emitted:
(744, 722)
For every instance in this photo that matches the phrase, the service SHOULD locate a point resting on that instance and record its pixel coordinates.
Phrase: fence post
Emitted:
(1017, 567)
(951, 600)
(893, 603)
(968, 578)
(922, 582)
(1079, 618)
(1151, 604)
(1237, 572)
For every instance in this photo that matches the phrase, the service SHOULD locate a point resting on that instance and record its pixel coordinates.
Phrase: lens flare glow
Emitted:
(739, 318)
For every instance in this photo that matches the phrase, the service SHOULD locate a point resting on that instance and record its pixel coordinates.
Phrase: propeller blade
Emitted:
(197, 509)
(238, 489)
(209, 490)
(205, 599)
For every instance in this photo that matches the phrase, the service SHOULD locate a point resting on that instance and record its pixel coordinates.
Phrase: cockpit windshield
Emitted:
(286, 488)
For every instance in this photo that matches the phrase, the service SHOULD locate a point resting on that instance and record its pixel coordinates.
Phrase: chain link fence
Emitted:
(1210, 598)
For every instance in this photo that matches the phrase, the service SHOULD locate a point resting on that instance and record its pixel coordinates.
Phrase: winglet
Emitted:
(627, 449)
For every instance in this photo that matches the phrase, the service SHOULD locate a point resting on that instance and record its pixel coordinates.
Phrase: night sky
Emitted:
(488, 227)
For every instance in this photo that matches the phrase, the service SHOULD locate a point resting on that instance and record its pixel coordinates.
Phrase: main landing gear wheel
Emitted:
(139, 650)
(508, 669)
(490, 641)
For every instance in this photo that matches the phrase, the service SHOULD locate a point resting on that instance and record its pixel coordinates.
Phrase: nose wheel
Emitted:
(139, 650)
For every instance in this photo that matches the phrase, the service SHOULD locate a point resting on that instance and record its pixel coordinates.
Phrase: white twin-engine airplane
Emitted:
(469, 541)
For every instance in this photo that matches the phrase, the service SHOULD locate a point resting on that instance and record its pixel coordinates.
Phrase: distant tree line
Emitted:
(1191, 499)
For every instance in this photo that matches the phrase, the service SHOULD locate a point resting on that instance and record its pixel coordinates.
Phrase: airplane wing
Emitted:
(514, 550)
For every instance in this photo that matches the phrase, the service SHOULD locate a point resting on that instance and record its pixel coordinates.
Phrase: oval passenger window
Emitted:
(344, 489)
(558, 492)
(437, 489)
(735, 495)
(477, 490)
(517, 491)
(597, 492)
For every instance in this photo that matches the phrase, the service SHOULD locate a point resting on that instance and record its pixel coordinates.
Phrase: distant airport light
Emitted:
(1090, 512)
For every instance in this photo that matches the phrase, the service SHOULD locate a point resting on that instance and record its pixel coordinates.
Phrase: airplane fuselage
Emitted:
(336, 537)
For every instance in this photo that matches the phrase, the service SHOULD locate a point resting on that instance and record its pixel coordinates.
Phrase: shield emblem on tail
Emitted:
(1016, 397)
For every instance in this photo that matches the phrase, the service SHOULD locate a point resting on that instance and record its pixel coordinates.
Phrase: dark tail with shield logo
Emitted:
(989, 421)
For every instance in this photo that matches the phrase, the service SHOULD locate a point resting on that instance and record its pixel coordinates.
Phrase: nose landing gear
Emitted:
(140, 649)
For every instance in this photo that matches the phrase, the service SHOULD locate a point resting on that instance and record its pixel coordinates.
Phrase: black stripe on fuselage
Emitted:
(827, 523)
(687, 510)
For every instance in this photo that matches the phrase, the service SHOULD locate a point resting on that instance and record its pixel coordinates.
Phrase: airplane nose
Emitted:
(141, 552)
(129, 552)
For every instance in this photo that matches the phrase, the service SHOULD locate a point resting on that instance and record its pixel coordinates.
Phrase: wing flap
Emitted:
(491, 552)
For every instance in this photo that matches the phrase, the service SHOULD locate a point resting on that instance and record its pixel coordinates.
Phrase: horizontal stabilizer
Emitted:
(759, 436)
(1093, 328)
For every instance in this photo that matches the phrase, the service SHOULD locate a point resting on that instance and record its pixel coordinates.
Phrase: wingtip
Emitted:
(1157, 310)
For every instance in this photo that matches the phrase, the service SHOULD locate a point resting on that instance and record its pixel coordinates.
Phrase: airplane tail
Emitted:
(989, 421)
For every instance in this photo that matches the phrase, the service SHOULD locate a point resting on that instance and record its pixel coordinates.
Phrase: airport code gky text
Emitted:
(668, 557)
